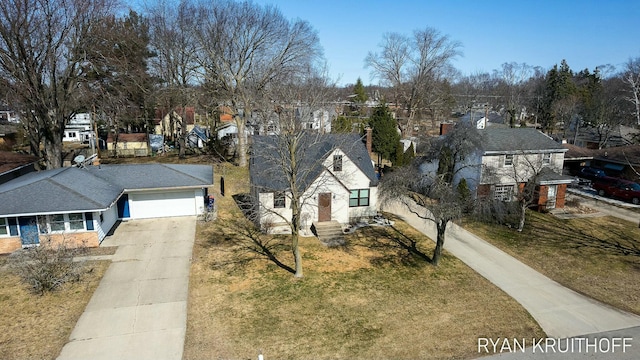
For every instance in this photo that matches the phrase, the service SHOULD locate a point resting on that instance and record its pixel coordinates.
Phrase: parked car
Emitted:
(618, 188)
(592, 173)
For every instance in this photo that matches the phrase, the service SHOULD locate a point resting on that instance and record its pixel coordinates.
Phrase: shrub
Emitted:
(46, 268)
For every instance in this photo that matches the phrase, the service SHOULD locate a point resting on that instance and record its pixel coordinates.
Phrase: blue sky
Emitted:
(540, 33)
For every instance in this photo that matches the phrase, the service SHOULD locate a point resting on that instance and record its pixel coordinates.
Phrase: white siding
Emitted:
(109, 218)
(338, 183)
(523, 168)
(273, 220)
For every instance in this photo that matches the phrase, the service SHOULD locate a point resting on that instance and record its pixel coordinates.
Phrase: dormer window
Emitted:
(337, 162)
(546, 159)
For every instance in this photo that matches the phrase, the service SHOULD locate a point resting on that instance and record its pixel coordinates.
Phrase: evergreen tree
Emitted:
(384, 133)
(398, 159)
(358, 90)
(409, 155)
(559, 86)
(341, 124)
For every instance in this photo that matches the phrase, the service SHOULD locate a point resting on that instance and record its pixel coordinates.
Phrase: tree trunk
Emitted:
(295, 237)
(523, 214)
(296, 254)
(242, 141)
(53, 151)
(441, 227)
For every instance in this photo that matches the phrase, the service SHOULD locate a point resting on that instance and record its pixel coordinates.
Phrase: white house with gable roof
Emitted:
(336, 178)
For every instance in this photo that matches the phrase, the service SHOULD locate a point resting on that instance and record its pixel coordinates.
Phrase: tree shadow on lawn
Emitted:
(393, 245)
(613, 239)
(242, 242)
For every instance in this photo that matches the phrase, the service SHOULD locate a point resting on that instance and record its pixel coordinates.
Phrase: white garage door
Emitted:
(162, 204)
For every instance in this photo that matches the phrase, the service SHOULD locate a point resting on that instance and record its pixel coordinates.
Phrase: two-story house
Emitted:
(334, 176)
(509, 158)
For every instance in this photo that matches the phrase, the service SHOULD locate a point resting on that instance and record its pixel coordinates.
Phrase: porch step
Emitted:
(329, 233)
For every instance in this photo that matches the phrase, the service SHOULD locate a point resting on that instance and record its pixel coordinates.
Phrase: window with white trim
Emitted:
(56, 222)
(546, 159)
(76, 221)
(508, 160)
(279, 200)
(4, 227)
(503, 192)
(359, 197)
(67, 222)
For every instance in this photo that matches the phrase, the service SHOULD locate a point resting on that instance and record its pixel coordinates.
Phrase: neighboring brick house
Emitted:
(80, 205)
(511, 157)
(335, 175)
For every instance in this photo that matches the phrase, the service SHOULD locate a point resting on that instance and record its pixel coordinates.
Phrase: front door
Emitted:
(29, 230)
(324, 207)
(123, 207)
(551, 196)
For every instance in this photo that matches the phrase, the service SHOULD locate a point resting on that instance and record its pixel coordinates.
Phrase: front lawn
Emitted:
(599, 256)
(369, 299)
(37, 327)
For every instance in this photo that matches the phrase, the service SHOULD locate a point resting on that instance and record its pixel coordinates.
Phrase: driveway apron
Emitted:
(139, 310)
(560, 312)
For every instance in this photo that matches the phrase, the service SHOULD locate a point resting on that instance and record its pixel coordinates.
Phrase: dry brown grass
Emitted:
(37, 327)
(599, 257)
(370, 299)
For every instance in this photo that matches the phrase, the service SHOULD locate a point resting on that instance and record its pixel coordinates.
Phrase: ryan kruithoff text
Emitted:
(552, 345)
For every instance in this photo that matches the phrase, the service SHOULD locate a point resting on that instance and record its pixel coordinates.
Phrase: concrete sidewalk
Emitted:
(139, 310)
(560, 312)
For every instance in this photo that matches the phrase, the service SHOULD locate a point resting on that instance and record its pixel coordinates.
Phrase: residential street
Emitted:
(139, 310)
(560, 312)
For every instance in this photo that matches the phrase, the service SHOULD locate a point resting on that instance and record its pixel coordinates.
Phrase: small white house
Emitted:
(79, 129)
(335, 179)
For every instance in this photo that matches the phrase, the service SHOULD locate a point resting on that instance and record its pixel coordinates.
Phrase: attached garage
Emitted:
(153, 204)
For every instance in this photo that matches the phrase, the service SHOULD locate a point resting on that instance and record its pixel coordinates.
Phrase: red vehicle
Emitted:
(618, 188)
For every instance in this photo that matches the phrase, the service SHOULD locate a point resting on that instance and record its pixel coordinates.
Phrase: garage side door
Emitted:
(162, 204)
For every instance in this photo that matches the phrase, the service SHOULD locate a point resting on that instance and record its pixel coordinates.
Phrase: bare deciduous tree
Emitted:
(296, 156)
(435, 195)
(245, 49)
(42, 45)
(408, 64)
(174, 41)
(631, 76)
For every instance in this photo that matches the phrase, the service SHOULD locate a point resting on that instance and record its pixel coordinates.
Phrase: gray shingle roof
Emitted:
(56, 191)
(155, 176)
(517, 139)
(265, 172)
(93, 188)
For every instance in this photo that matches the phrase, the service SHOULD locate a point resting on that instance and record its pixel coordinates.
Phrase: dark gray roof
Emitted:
(93, 188)
(155, 176)
(493, 116)
(548, 176)
(510, 140)
(265, 172)
(57, 191)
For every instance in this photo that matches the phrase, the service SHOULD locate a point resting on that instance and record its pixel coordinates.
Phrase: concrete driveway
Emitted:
(560, 312)
(139, 310)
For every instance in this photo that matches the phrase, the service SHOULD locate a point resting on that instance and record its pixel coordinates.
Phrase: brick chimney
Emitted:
(368, 139)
